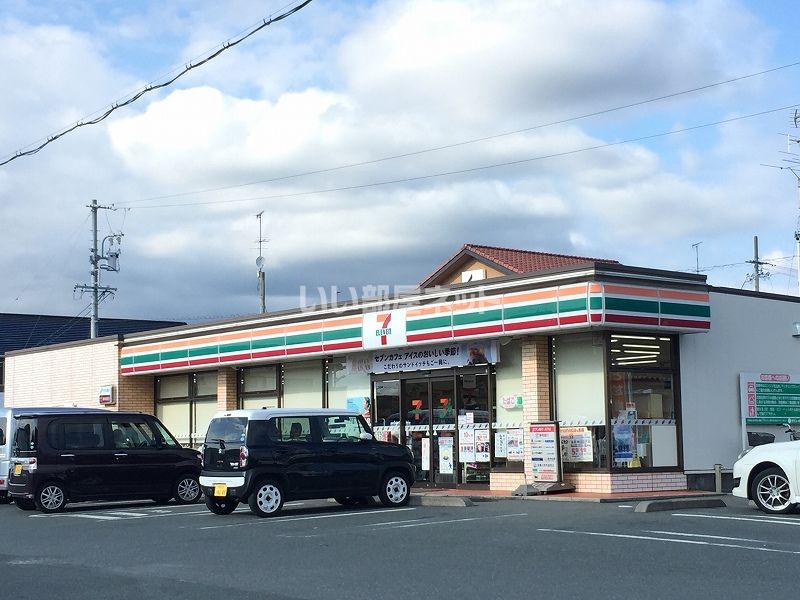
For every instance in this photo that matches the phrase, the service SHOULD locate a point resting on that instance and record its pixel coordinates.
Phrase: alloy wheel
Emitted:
(51, 497)
(188, 489)
(773, 492)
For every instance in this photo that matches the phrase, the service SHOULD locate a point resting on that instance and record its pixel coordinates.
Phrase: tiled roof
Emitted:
(19, 331)
(513, 261)
(526, 261)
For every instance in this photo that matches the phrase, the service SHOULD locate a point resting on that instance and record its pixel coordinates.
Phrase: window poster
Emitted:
(514, 447)
(623, 443)
(482, 453)
(576, 444)
(426, 454)
(445, 455)
(466, 445)
(501, 444)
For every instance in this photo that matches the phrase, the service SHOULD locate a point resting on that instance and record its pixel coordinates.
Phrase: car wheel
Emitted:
(771, 492)
(187, 490)
(395, 490)
(25, 504)
(266, 499)
(221, 507)
(51, 497)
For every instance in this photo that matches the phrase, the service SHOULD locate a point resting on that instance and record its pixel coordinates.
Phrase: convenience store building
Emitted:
(640, 367)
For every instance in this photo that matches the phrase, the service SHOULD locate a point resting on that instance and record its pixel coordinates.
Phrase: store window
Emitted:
(185, 404)
(579, 385)
(303, 384)
(386, 413)
(349, 383)
(642, 400)
(507, 427)
(258, 387)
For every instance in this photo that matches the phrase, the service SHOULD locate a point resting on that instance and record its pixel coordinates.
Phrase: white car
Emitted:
(768, 475)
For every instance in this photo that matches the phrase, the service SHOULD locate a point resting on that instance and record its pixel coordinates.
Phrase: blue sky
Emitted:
(347, 82)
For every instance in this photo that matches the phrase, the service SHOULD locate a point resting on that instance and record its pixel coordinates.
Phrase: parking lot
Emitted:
(508, 548)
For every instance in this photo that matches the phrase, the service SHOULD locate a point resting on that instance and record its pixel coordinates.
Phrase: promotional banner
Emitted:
(426, 454)
(576, 444)
(445, 455)
(501, 444)
(466, 445)
(434, 357)
(544, 451)
(482, 447)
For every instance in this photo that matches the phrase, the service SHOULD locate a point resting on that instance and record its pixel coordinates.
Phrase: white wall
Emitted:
(747, 334)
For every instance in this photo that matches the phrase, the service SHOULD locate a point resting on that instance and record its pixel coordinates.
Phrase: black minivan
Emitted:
(264, 457)
(60, 458)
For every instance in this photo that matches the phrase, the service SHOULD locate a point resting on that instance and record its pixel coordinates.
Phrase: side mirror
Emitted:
(366, 437)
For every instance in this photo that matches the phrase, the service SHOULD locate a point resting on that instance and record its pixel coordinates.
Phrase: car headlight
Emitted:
(743, 452)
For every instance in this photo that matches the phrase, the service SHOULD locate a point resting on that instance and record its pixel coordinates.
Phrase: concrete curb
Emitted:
(678, 504)
(420, 500)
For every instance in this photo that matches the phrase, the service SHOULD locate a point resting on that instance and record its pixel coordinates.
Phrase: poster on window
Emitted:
(514, 448)
(426, 454)
(501, 444)
(466, 445)
(482, 448)
(623, 443)
(576, 444)
(445, 455)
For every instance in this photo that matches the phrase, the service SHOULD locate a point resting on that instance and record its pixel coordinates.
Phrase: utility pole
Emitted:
(262, 285)
(98, 259)
(756, 264)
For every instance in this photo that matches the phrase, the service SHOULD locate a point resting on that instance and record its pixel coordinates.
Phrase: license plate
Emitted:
(220, 489)
(17, 469)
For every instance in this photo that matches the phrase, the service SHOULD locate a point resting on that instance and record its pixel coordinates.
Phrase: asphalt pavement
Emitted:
(498, 549)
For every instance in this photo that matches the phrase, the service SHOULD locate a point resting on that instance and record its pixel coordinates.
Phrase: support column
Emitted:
(226, 388)
(535, 389)
(136, 393)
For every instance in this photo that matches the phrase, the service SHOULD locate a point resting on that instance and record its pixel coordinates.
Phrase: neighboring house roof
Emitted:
(19, 331)
(508, 261)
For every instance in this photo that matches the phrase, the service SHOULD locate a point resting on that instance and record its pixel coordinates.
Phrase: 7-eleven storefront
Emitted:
(459, 374)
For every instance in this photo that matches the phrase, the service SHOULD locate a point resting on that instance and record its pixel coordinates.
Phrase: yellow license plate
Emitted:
(220, 489)
(17, 469)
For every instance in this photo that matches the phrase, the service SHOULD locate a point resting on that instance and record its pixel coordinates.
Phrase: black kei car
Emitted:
(264, 457)
(98, 455)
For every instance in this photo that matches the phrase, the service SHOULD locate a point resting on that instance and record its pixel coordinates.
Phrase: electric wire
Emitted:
(472, 169)
(470, 141)
(152, 87)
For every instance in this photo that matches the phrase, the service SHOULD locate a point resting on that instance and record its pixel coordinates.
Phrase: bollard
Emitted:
(718, 478)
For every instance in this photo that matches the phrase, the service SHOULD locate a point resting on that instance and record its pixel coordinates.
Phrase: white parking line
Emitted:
(456, 520)
(130, 514)
(98, 517)
(306, 518)
(772, 520)
(669, 540)
(712, 537)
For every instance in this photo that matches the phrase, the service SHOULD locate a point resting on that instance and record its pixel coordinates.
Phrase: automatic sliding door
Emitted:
(444, 430)
(417, 407)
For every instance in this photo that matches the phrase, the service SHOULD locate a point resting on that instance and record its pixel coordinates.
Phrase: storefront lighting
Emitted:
(641, 362)
(616, 350)
(654, 353)
(632, 337)
(640, 346)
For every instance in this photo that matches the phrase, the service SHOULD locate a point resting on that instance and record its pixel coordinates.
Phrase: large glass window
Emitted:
(185, 404)
(642, 399)
(507, 427)
(349, 384)
(386, 422)
(302, 384)
(579, 383)
(258, 387)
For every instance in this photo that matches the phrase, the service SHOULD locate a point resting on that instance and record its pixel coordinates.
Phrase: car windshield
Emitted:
(230, 430)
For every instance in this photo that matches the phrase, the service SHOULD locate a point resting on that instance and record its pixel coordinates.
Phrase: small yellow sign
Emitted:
(18, 469)
(220, 489)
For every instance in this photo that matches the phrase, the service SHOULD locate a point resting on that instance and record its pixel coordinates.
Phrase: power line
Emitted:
(150, 87)
(475, 169)
(470, 141)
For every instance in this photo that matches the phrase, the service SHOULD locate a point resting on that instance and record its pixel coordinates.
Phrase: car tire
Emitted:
(51, 497)
(771, 492)
(187, 490)
(25, 504)
(266, 499)
(5, 499)
(221, 507)
(395, 489)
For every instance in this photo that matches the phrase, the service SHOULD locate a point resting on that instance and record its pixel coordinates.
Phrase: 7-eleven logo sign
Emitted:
(384, 329)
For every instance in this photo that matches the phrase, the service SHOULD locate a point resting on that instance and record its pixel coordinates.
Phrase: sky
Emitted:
(379, 137)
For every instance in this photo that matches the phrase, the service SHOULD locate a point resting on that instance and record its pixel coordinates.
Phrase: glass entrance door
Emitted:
(429, 406)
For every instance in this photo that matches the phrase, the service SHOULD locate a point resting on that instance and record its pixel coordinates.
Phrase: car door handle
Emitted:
(121, 454)
(67, 456)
